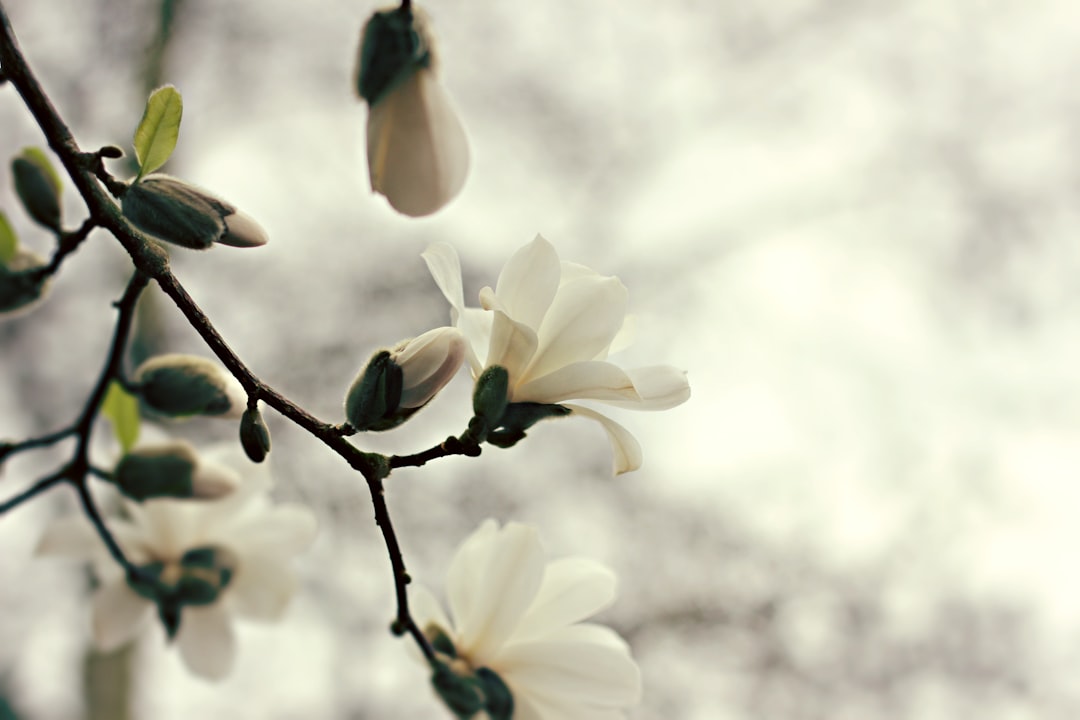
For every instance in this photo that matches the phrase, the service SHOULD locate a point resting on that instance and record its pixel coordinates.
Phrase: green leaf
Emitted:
(122, 410)
(159, 128)
(9, 244)
(41, 159)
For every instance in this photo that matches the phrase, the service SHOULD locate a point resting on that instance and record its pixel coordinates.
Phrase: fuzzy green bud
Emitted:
(461, 693)
(37, 188)
(182, 385)
(22, 283)
(183, 214)
(373, 398)
(254, 435)
(171, 470)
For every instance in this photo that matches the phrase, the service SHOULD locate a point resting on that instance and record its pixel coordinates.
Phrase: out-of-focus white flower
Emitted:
(551, 325)
(418, 154)
(220, 558)
(520, 616)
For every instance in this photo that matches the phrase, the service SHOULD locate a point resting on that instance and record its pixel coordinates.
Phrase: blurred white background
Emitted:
(852, 223)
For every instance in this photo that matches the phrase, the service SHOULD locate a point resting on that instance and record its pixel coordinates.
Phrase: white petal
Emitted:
(580, 324)
(465, 575)
(512, 346)
(262, 586)
(445, 268)
(118, 615)
(572, 590)
(206, 641)
(659, 387)
(475, 324)
(589, 664)
(418, 155)
(528, 282)
(587, 380)
(506, 586)
(624, 445)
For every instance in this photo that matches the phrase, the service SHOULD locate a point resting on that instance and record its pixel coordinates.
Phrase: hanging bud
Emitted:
(38, 187)
(418, 154)
(22, 282)
(171, 470)
(254, 435)
(398, 382)
(180, 213)
(182, 385)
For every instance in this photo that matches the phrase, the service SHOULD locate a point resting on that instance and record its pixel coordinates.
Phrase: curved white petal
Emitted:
(659, 387)
(445, 268)
(624, 445)
(572, 590)
(465, 576)
(528, 282)
(587, 380)
(262, 587)
(512, 346)
(118, 615)
(585, 663)
(580, 324)
(206, 641)
(418, 155)
(507, 583)
(475, 324)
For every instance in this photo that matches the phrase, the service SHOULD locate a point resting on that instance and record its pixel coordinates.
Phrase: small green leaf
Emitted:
(159, 128)
(38, 156)
(9, 244)
(122, 410)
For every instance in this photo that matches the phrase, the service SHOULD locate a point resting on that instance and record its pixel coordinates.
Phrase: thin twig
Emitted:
(33, 491)
(451, 446)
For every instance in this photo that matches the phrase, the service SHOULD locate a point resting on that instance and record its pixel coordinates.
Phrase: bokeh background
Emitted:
(854, 225)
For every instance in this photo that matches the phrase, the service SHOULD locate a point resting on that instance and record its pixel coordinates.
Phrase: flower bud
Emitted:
(398, 382)
(181, 385)
(171, 470)
(254, 435)
(180, 213)
(22, 283)
(37, 188)
(418, 154)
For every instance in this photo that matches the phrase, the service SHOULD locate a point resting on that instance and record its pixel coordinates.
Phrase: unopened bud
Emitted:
(183, 214)
(171, 470)
(254, 435)
(22, 283)
(498, 700)
(182, 385)
(398, 382)
(37, 187)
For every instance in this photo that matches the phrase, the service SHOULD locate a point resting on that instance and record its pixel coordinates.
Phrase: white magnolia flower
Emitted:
(520, 616)
(428, 362)
(551, 324)
(251, 542)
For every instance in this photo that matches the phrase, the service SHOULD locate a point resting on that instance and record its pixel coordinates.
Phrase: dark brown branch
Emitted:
(451, 446)
(33, 491)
